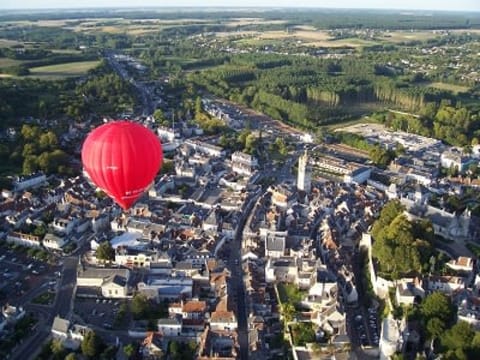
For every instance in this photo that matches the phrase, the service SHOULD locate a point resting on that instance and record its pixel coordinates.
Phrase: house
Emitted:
(222, 318)
(275, 244)
(53, 241)
(462, 263)
(322, 296)
(169, 327)
(71, 335)
(446, 284)
(243, 164)
(134, 258)
(455, 159)
(282, 269)
(115, 287)
(64, 225)
(218, 345)
(12, 313)
(167, 287)
(191, 309)
(24, 239)
(282, 196)
(407, 290)
(152, 345)
(60, 328)
(211, 150)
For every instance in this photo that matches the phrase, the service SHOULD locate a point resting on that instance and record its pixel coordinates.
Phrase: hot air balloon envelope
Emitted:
(122, 158)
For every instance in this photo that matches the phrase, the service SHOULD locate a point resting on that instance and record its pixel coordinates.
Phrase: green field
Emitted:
(449, 87)
(60, 71)
(7, 62)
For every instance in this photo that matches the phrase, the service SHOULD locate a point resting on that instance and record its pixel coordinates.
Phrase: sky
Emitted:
(458, 5)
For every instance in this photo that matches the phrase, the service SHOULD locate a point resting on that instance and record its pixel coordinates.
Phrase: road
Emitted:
(236, 281)
(143, 93)
(62, 307)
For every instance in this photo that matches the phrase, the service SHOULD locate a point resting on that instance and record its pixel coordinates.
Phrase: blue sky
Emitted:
(471, 5)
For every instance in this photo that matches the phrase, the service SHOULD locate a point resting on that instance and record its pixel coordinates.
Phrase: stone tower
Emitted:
(304, 181)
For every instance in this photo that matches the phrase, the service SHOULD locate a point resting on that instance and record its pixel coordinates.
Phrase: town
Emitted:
(260, 241)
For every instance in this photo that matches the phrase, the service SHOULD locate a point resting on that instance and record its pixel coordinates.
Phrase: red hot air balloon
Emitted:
(122, 158)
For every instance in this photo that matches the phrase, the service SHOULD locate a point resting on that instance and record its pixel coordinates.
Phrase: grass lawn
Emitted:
(474, 248)
(303, 333)
(44, 299)
(290, 293)
(71, 69)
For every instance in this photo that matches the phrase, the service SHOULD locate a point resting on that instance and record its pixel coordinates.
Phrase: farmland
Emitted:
(63, 70)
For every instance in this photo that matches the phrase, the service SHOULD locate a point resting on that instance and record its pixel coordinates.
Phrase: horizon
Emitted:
(406, 5)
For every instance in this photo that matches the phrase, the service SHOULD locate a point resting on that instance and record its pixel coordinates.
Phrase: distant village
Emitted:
(216, 245)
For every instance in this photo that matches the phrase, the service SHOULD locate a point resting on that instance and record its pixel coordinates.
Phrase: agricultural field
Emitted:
(449, 87)
(60, 71)
(315, 38)
(405, 36)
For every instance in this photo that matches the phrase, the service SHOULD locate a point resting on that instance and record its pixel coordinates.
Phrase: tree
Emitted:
(91, 345)
(140, 306)
(57, 349)
(129, 350)
(105, 251)
(30, 165)
(438, 313)
(48, 141)
(30, 133)
(159, 117)
(435, 327)
(198, 107)
(288, 312)
(460, 339)
(71, 356)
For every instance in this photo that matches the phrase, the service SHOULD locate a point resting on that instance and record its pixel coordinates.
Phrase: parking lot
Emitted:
(365, 327)
(98, 312)
(20, 274)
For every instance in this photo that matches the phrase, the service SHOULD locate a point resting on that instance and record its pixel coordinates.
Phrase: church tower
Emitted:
(304, 174)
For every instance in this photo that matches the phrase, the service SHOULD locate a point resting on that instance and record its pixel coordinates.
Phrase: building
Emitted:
(53, 241)
(27, 181)
(134, 258)
(115, 287)
(71, 336)
(64, 226)
(243, 164)
(211, 150)
(282, 197)
(462, 263)
(222, 318)
(351, 172)
(167, 287)
(218, 345)
(389, 338)
(169, 327)
(456, 160)
(112, 283)
(23, 239)
(283, 269)
(275, 244)
(153, 346)
(407, 290)
(304, 181)
(446, 284)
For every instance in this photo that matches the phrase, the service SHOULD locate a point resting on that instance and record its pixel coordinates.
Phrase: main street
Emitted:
(237, 284)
